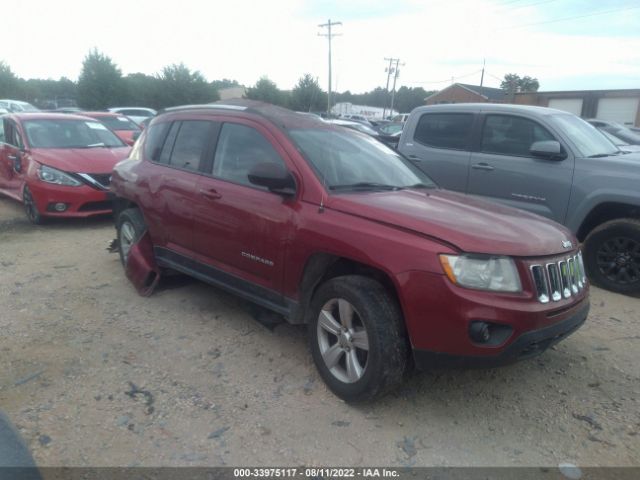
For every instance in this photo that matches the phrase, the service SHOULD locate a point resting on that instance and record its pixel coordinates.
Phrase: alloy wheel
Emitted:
(619, 260)
(343, 340)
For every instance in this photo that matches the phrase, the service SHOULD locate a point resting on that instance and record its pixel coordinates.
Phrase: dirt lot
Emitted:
(94, 375)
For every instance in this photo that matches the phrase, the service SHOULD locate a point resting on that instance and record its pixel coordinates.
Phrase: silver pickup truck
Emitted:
(542, 160)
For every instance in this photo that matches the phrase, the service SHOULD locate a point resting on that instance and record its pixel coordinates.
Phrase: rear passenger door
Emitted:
(439, 144)
(505, 171)
(240, 228)
(177, 156)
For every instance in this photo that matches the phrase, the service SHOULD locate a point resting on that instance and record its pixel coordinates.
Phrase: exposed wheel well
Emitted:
(605, 212)
(120, 205)
(322, 267)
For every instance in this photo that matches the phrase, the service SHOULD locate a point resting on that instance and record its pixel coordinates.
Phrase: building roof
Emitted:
(490, 93)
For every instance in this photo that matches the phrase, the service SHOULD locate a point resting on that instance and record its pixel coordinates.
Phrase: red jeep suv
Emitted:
(331, 228)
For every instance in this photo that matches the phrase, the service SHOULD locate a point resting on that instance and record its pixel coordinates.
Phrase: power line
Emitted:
(448, 79)
(572, 17)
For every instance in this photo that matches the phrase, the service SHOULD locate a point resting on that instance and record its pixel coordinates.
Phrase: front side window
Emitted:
(445, 130)
(239, 149)
(348, 160)
(192, 140)
(510, 135)
(55, 133)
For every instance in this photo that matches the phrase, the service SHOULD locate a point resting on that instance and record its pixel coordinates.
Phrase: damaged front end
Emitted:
(140, 266)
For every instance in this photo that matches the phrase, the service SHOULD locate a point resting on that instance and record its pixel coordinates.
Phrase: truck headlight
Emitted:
(482, 272)
(53, 175)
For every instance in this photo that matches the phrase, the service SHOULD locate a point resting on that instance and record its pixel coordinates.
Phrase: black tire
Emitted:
(30, 207)
(129, 221)
(612, 256)
(378, 313)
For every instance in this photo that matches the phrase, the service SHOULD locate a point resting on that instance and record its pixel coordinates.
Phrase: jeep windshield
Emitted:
(58, 133)
(349, 161)
(587, 138)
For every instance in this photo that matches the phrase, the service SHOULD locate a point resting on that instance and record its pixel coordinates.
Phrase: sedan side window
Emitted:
(239, 149)
(510, 135)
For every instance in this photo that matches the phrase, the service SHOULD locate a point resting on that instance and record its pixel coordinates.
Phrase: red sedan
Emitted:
(58, 165)
(125, 128)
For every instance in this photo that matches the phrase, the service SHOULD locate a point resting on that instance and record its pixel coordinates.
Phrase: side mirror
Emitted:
(273, 176)
(549, 149)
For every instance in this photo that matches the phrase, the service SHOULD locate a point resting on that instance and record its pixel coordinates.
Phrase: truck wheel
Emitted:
(357, 338)
(612, 255)
(130, 227)
(30, 207)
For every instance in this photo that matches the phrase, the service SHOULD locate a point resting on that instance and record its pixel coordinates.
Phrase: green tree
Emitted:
(307, 95)
(180, 86)
(408, 98)
(9, 83)
(100, 83)
(143, 90)
(267, 91)
(514, 83)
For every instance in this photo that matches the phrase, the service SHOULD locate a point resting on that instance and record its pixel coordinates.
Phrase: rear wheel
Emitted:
(612, 256)
(30, 207)
(357, 338)
(130, 227)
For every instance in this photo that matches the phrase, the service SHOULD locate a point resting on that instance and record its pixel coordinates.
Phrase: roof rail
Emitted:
(204, 107)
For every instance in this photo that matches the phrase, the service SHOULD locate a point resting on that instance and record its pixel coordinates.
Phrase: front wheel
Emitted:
(130, 227)
(357, 338)
(612, 256)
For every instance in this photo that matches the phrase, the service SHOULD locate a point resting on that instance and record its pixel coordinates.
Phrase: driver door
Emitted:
(11, 159)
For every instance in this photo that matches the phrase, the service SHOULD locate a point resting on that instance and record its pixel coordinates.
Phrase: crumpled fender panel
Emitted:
(141, 268)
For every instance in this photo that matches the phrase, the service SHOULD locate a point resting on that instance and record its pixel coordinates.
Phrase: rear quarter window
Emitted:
(155, 136)
(445, 130)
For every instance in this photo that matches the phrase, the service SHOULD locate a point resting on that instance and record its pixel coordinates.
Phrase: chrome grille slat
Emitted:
(558, 280)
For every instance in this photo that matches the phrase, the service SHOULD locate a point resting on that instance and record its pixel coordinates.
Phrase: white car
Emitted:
(137, 114)
(17, 106)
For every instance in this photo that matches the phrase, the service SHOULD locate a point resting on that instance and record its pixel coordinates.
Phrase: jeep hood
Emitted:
(471, 224)
(81, 160)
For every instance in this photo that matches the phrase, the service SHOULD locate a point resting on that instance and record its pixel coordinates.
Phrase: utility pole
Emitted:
(329, 35)
(396, 73)
(389, 71)
(482, 76)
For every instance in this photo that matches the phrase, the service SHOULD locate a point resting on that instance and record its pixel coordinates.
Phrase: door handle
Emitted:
(482, 166)
(13, 158)
(413, 158)
(210, 193)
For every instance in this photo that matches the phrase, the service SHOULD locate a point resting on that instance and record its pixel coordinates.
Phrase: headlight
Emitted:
(482, 272)
(52, 175)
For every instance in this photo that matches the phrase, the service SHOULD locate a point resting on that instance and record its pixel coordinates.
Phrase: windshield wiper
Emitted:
(364, 186)
(94, 145)
(419, 185)
(602, 155)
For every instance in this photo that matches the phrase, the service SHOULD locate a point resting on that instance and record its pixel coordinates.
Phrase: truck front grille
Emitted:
(561, 279)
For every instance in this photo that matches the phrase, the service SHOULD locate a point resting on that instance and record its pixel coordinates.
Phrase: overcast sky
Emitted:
(566, 44)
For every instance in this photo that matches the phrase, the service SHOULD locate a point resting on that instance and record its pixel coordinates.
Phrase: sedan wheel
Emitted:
(30, 207)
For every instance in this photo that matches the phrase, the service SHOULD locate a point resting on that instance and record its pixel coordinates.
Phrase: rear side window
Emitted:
(154, 139)
(239, 149)
(445, 130)
(510, 135)
(191, 142)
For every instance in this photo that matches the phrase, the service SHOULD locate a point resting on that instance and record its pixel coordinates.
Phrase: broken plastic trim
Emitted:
(142, 269)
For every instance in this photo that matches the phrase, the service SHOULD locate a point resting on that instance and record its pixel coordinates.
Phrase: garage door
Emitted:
(571, 105)
(621, 110)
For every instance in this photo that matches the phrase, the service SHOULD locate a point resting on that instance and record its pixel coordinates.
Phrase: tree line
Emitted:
(101, 84)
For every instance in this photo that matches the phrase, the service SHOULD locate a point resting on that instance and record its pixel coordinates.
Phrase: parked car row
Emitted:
(328, 227)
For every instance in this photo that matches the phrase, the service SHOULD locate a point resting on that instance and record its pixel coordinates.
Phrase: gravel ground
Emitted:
(95, 375)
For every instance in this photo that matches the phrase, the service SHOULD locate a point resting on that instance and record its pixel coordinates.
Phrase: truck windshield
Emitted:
(347, 160)
(587, 139)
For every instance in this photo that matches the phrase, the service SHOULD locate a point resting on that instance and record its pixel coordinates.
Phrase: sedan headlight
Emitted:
(52, 175)
(482, 272)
